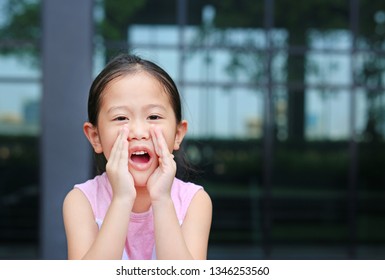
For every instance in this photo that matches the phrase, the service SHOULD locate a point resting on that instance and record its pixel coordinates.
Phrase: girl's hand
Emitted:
(117, 168)
(160, 182)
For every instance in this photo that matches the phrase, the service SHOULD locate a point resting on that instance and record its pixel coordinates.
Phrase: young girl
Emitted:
(137, 209)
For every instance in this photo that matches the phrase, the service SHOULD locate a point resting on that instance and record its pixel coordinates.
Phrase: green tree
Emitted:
(22, 27)
(299, 18)
(372, 39)
(20, 32)
(118, 15)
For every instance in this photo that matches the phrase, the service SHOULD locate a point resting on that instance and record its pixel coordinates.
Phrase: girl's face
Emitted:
(138, 101)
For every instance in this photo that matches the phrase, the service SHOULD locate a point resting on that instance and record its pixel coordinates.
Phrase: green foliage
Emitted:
(243, 13)
(21, 32)
(118, 16)
(303, 14)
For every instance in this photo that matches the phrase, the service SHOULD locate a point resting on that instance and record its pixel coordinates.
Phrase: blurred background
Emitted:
(285, 101)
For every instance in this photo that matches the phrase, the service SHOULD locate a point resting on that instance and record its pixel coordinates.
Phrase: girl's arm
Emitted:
(85, 240)
(188, 241)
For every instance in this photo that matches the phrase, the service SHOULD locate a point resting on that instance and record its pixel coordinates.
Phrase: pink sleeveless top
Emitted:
(140, 242)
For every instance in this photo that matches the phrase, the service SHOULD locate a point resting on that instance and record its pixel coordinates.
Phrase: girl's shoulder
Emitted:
(98, 192)
(182, 189)
(94, 185)
(182, 193)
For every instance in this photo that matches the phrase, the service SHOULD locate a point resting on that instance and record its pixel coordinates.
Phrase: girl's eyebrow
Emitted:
(155, 106)
(147, 107)
(117, 108)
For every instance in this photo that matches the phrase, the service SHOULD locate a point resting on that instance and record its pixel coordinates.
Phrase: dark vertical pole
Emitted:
(353, 149)
(268, 133)
(65, 153)
(182, 21)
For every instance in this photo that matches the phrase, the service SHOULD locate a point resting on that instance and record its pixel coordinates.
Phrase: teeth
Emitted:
(139, 153)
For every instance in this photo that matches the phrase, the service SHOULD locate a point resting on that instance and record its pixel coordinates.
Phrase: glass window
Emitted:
(284, 102)
(20, 95)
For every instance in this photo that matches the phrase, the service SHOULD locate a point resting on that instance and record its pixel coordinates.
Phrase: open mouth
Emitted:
(140, 157)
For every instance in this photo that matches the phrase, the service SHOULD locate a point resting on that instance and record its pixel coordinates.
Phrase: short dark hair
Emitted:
(124, 64)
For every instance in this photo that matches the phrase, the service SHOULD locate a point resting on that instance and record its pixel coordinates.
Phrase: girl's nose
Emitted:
(139, 130)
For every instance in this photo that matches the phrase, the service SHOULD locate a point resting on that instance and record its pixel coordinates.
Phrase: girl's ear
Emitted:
(181, 131)
(92, 135)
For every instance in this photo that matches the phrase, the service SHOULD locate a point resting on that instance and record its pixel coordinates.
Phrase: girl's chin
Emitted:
(139, 185)
(140, 180)
(141, 176)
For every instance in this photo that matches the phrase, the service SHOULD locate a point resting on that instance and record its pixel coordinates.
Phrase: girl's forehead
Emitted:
(141, 78)
(139, 86)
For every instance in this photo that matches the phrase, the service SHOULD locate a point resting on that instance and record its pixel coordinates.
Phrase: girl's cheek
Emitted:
(113, 131)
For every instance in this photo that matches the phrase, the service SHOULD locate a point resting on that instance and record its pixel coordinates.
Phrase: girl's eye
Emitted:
(121, 118)
(153, 117)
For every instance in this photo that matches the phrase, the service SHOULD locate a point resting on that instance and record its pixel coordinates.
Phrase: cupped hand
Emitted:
(160, 182)
(121, 180)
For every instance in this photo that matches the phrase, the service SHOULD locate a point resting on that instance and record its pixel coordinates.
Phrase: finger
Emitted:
(155, 141)
(114, 155)
(161, 144)
(123, 152)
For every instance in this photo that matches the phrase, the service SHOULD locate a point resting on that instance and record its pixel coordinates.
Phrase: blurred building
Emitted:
(285, 104)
